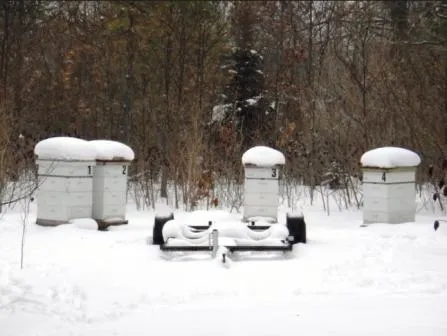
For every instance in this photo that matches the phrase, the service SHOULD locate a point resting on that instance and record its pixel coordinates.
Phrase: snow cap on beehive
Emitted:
(263, 156)
(65, 149)
(109, 150)
(390, 157)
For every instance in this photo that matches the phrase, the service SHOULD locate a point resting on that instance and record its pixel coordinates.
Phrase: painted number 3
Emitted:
(274, 173)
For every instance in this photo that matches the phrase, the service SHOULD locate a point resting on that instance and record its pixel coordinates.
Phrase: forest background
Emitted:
(191, 85)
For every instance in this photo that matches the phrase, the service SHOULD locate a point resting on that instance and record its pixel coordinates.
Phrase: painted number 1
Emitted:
(90, 170)
(274, 173)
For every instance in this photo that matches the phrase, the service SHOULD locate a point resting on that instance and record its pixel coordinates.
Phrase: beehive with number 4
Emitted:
(389, 191)
(261, 186)
(65, 176)
(110, 182)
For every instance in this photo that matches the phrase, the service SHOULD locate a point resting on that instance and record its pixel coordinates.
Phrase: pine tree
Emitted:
(246, 91)
(245, 97)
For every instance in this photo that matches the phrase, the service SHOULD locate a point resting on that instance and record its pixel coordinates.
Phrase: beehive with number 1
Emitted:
(110, 182)
(261, 186)
(65, 178)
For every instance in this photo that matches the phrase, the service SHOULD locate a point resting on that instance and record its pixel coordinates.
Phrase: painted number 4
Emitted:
(274, 173)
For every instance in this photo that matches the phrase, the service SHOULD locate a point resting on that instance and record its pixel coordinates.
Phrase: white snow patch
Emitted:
(254, 100)
(219, 112)
(390, 157)
(85, 223)
(295, 214)
(65, 148)
(263, 156)
(112, 150)
(91, 283)
(162, 209)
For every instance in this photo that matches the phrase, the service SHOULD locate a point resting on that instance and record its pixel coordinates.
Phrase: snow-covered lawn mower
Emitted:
(174, 235)
(223, 238)
(259, 229)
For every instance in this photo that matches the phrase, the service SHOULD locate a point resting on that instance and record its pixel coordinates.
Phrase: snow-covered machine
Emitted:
(258, 230)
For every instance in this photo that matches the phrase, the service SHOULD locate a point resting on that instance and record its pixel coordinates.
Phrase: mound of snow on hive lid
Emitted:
(390, 157)
(263, 156)
(65, 148)
(109, 150)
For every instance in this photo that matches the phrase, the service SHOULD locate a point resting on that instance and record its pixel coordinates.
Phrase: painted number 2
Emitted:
(274, 173)
(124, 170)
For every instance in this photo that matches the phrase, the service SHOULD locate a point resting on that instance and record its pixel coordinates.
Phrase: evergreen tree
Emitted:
(245, 100)
(246, 93)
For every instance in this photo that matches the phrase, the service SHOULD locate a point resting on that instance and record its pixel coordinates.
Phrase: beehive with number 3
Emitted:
(65, 179)
(110, 182)
(261, 186)
(389, 191)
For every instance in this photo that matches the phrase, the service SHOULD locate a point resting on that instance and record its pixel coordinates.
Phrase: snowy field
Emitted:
(348, 280)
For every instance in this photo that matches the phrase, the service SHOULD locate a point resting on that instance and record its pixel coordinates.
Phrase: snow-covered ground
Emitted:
(348, 280)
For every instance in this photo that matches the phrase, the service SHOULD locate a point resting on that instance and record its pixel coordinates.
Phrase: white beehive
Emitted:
(389, 175)
(261, 187)
(110, 182)
(65, 174)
